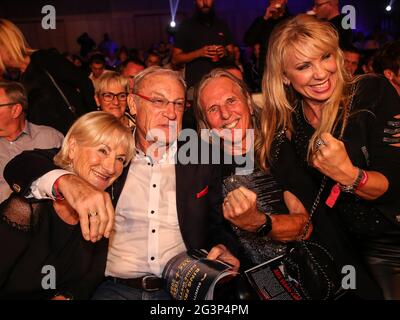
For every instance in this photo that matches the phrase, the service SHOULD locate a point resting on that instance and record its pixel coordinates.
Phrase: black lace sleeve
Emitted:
(17, 217)
(17, 212)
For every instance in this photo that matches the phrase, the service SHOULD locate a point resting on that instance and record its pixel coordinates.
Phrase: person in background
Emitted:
(97, 65)
(35, 235)
(129, 69)
(16, 133)
(351, 60)
(328, 10)
(387, 63)
(367, 60)
(261, 28)
(87, 44)
(57, 91)
(153, 59)
(201, 42)
(111, 96)
(122, 55)
(232, 68)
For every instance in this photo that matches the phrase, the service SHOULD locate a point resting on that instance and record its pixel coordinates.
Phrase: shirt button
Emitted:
(152, 258)
(154, 186)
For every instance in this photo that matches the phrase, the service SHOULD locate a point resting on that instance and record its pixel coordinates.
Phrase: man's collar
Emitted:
(26, 130)
(167, 154)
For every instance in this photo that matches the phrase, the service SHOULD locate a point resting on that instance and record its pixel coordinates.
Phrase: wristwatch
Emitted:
(266, 228)
(353, 187)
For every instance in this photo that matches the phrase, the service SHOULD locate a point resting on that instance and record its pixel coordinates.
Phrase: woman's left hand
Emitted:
(332, 160)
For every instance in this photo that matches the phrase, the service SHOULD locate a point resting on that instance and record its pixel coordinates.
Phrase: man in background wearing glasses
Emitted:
(328, 10)
(16, 133)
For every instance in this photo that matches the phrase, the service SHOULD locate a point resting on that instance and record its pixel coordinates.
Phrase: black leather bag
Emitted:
(314, 269)
(312, 265)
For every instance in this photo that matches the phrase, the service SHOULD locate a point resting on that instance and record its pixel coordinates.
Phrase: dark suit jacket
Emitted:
(198, 196)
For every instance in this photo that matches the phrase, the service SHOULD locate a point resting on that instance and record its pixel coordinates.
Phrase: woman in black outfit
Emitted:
(284, 193)
(338, 129)
(43, 253)
(58, 92)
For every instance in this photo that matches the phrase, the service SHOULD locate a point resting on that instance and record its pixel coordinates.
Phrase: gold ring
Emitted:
(92, 213)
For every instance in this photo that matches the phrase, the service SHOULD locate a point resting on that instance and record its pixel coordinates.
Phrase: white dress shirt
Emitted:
(146, 232)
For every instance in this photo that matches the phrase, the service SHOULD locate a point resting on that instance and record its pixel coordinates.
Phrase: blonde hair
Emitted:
(310, 37)
(13, 42)
(109, 78)
(96, 128)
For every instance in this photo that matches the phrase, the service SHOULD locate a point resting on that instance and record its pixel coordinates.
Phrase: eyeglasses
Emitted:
(109, 96)
(8, 104)
(317, 5)
(163, 102)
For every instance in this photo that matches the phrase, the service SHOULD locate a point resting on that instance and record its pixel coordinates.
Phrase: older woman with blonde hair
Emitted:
(338, 129)
(58, 92)
(112, 95)
(44, 255)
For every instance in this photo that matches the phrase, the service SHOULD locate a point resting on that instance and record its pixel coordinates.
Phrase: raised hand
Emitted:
(240, 208)
(332, 160)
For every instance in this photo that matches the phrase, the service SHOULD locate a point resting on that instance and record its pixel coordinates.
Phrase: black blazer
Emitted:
(198, 196)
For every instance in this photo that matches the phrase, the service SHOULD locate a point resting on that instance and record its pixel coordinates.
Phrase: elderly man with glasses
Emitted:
(163, 206)
(16, 133)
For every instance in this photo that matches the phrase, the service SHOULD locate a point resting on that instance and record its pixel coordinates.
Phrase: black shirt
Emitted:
(46, 104)
(345, 35)
(194, 34)
(375, 103)
(260, 32)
